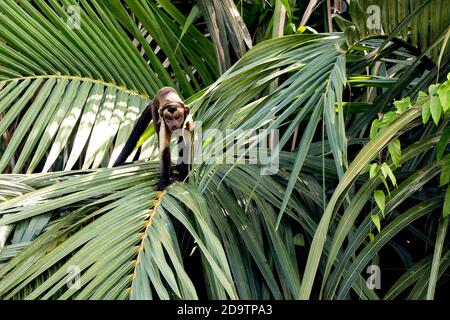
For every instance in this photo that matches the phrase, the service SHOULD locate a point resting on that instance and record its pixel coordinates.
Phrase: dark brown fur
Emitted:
(169, 113)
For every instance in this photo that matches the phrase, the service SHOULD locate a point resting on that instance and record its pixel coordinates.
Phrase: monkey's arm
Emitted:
(136, 133)
(184, 148)
(164, 157)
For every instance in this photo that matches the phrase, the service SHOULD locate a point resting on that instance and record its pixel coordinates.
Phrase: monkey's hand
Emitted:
(161, 185)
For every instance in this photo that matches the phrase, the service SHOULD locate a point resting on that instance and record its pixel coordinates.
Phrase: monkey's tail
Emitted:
(135, 135)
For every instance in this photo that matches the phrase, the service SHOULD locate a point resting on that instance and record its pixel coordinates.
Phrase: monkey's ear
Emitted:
(186, 110)
(154, 104)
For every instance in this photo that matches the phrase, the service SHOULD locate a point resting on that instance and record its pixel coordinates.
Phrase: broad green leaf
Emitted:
(435, 108)
(376, 221)
(402, 105)
(432, 90)
(374, 168)
(387, 170)
(422, 96)
(380, 199)
(299, 240)
(366, 169)
(426, 111)
(376, 125)
(388, 118)
(444, 96)
(384, 169)
(395, 151)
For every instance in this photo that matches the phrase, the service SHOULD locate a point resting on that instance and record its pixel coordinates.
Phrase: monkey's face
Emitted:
(174, 116)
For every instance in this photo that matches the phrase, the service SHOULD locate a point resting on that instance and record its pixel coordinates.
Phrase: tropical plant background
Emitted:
(363, 175)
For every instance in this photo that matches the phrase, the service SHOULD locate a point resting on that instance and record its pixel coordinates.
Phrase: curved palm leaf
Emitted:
(76, 111)
(78, 82)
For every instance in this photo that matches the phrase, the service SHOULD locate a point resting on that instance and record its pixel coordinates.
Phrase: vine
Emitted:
(436, 106)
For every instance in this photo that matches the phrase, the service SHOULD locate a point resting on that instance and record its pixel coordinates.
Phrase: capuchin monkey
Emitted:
(170, 115)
